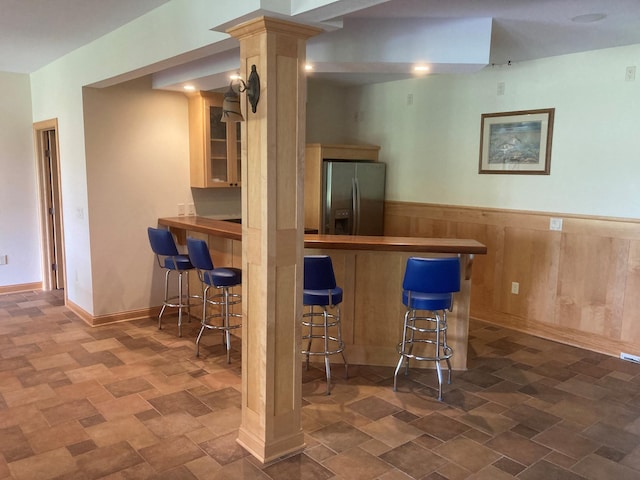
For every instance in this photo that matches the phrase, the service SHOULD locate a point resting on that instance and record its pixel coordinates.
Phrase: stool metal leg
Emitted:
(226, 332)
(180, 304)
(328, 320)
(224, 300)
(327, 365)
(442, 351)
(205, 294)
(341, 344)
(166, 298)
(402, 350)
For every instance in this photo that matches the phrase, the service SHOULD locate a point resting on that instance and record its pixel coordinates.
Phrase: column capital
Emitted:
(275, 25)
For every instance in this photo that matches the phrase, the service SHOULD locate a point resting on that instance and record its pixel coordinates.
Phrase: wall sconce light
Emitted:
(231, 103)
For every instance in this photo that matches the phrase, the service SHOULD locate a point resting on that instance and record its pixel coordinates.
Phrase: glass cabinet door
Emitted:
(218, 146)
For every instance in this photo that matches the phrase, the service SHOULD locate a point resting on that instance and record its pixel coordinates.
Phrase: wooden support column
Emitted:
(272, 237)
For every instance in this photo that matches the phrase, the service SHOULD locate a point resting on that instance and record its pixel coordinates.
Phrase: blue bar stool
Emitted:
(221, 279)
(428, 287)
(169, 259)
(320, 290)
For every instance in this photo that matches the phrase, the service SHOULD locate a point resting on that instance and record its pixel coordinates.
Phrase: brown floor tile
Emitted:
(413, 460)
(179, 401)
(224, 449)
(612, 437)
(467, 453)
(391, 432)
(127, 401)
(531, 417)
(517, 448)
(508, 466)
(170, 453)
(340, 436)
(73, 410)
(109, 459)
(299, 467)
(596, 467)
(544, 471)
(440, 426)
(373, 408)
(566, 441)
(128, 386)
(14, 444)
(356, 463)
(45, 466)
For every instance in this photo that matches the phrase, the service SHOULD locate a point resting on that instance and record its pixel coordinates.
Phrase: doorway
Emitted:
(50, 192)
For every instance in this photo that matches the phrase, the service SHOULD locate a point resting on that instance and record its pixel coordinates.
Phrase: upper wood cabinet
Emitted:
(315, 155)
(214, 146)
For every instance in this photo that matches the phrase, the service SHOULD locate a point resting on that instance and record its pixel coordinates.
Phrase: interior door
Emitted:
(50, 205)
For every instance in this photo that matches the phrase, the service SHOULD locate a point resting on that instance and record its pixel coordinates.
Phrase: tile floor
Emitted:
(127, 401)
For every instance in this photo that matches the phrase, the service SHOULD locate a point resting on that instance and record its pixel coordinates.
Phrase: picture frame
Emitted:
(516, 142)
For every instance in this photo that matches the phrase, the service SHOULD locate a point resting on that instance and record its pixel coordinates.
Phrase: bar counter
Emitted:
(370, 270)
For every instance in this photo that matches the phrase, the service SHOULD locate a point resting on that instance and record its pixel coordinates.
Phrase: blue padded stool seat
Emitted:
(179, 262)
(320, 290)
(222, 279)
(428, 301)
(428, 288)
(164, 247)
(322, 297)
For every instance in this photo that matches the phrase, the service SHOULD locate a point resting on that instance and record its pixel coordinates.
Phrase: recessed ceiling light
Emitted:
(421, 68)
(189, 88)
(589, 18)
(308, 67)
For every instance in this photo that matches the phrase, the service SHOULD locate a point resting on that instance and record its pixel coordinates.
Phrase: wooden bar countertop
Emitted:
(233, 231)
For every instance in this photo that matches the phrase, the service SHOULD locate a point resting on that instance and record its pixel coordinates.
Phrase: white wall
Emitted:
(19, 229)
(432, 146)
(137, 150)
(157, 38)
(325, 113)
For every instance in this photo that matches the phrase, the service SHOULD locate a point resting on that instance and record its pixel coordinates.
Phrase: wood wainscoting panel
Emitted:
(530, 259)
(630, 324)
(591, 284)
(577, 286)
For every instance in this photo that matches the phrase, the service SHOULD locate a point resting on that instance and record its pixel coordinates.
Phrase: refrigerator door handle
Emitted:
(356, 206)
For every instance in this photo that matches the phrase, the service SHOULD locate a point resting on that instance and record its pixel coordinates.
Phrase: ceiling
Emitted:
(33, 33)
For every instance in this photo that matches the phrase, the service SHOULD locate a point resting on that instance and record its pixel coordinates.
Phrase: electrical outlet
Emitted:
(555, 224)
(630, 74)
(630, 358)
(181, 209)
(191, 209)
(500, 89)
(4, 259)
(515, 288)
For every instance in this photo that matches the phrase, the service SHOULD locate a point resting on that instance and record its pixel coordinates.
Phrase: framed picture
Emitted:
(516, 142)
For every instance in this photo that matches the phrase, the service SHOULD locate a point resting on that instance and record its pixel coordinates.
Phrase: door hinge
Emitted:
(54, 267)
(52, 211)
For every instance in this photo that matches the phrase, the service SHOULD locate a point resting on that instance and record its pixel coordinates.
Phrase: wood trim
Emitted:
(577, 286)
(94, 321)
(24, 287)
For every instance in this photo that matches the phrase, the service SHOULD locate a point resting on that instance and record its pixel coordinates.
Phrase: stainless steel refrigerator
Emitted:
(353, 198)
